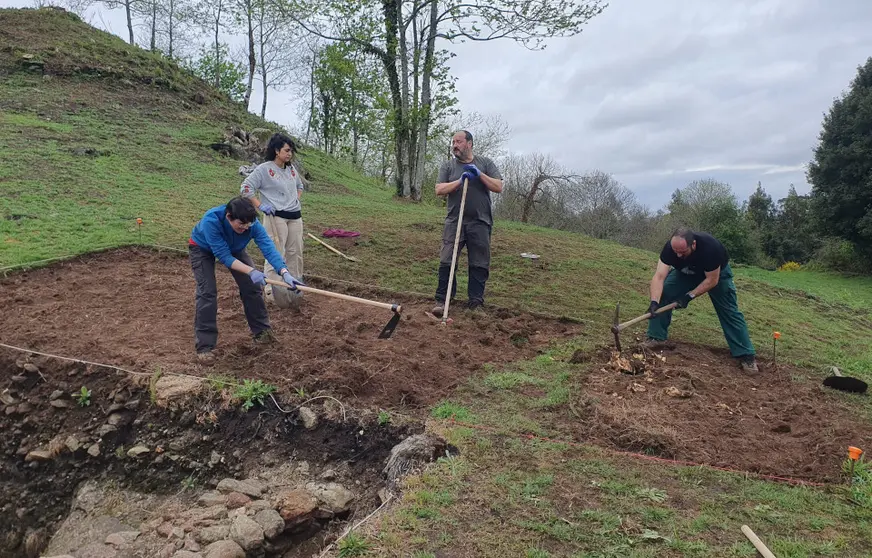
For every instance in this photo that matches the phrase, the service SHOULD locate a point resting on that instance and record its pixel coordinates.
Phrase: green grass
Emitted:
(505, 495)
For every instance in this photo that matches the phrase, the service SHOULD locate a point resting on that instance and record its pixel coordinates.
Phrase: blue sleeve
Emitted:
(217, 244)
(267, 248)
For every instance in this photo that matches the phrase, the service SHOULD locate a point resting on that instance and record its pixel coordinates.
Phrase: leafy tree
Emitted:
(793, 237)
(841, 170)
(228, 75)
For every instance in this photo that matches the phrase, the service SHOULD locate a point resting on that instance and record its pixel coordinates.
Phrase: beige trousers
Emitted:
(287, 235)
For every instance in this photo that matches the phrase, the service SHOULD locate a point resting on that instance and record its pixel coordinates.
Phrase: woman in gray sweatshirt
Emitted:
(280, 188)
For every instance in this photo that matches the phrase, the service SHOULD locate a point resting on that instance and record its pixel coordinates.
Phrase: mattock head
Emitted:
(616, 329)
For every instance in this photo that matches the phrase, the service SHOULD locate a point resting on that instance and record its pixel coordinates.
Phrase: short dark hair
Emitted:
(275, 144)
(686, 233)
(241, 209)
(468, 136)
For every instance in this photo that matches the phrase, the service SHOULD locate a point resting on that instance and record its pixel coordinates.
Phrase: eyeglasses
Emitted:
(244, 225)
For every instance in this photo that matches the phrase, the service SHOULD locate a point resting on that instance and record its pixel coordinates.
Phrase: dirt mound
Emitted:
(134, 308)
(692, 403)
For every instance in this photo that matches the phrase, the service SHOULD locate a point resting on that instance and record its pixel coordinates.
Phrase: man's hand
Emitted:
(472, 170)
(684, 300)
(267, 209)
(465, 176)
(653, 307)
(257, 277)
(291, 280)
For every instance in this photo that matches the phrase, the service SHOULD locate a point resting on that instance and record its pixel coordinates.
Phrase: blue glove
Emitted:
(465, 176)
(257, 277)
(291, 280)
(472, 170)
(267, 208)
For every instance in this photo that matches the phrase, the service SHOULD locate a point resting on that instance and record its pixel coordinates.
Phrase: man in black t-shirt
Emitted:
(483, 178)
(692, 264)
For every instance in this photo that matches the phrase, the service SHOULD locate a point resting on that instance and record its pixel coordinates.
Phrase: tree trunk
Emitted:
(311, 94)
(252, 59)
(170, 24)
(401, 132)
(263, 75)
(530, 199)
(127, 8)
(153, 43)
(217, 49)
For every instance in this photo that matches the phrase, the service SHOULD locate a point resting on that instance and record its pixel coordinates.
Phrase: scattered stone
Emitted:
(334, 496)
(247, 533)
(120, 419)
(383, 495)
(7, 399)
(106, 429)
(191, 544)
(309, 418)
(167, 551)
(303, 468)
(73, 444)
(38, 455)
(98, 550)
(236, 500)
(170, 388)
(257, 505)
(56, 394)
(215, 459)
(114, 408)
(296, 506)
(122, 537)
(211, 498)
(328, 475)
(199, 515)
(271, 522)
(31, 368)
(136, 451)
(19, 379)
(60, 404)
(94, 450)
(223, 549)
(247, 487)
(165, 529)
(208, 535)
(410, 454)
(673, 391)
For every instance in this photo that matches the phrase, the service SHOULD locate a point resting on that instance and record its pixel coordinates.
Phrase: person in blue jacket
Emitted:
(222, 234)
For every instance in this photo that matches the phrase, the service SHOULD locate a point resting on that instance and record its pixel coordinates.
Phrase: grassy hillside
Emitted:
(111, 133)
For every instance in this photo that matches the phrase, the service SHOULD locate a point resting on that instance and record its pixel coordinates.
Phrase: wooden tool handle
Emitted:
(454, 255)
(332, 249)
(666, 308)
(387, 306)
(758, 544)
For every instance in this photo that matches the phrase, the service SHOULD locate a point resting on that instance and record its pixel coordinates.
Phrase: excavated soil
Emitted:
(698, 405)
(134, 308)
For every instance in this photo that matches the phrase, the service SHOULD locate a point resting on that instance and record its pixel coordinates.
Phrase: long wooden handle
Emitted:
(393, 307)
(758, 544)
(666, 308)
(454, 255)
(332, 249)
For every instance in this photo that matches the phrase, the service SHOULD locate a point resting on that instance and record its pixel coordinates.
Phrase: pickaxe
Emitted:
(617, 328)
(386, 331)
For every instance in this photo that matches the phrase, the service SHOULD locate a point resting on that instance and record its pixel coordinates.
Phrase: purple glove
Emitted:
(257, 277)
(291, 280)
(267, 208)
(472, 170)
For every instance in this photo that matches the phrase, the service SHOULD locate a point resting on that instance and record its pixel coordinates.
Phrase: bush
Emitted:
(836, 254)
(790, 266)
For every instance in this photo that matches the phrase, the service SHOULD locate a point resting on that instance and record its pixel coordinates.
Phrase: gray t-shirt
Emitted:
(478, 200)
(277, 186)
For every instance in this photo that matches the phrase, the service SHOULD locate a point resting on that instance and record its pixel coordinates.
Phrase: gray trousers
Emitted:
(206, 313)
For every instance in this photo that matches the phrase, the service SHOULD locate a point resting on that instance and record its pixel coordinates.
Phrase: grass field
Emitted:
(505, 495)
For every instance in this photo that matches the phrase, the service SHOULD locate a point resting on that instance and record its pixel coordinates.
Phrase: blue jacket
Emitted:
(214, 234)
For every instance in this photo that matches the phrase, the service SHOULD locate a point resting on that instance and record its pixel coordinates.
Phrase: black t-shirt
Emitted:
(709, 255)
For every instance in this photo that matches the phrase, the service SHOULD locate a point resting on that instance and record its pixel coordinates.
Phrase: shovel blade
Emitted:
(845, 383)
(389, 328)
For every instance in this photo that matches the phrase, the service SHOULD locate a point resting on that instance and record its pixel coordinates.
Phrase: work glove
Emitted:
(653, 307)
(267, 209)
(472, 170)
(684, 300)
(465, 176)
(291, 280)
(257, 277)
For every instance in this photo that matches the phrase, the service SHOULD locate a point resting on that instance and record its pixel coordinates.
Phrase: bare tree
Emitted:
(275, 48)
(534, 187)
(129, 6)
(212, 14)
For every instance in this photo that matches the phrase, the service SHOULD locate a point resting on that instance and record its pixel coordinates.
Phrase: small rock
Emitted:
(106, 429)
(247, 533)
(303, 468)
(271, 522)
(114, 408)
(136, 451)
(309, 418)
(7, 399)
(32, 368)
(211, 498)
(94, 450)
(61, 404)
(165, 529)
(223, 549)
(122, 537)
(247, 487)
(215, 459)
(296, 506)
(167, 551)
(257, 505)
(38, 455)
(119, 419)
(334, 496)
(19, 379)
(673, 391)
(191, 544)
(132, 405)
(208, 535)
(73, 444)
(383, 495)
(236, 500)
(56, 394)
(328, 475)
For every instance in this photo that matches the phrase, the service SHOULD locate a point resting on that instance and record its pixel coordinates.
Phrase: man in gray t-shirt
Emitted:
(484, 177)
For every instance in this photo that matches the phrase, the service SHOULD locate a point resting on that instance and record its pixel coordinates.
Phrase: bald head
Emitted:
(683, 242)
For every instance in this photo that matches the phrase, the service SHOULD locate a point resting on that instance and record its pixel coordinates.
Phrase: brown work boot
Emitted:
(653, 344)
(206, 358)
(438, 310)
(265, 337)
(748, 364)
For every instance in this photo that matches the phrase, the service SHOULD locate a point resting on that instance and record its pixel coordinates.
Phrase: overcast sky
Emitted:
(660, 93)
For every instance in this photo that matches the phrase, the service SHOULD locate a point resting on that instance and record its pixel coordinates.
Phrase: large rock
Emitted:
(410, 454)
(211, 498)
(223, 549)
(248, 487)
(296, 506)
(272, 523)
(170, 388)
(247, 533)
(208, 535)
(333, 496)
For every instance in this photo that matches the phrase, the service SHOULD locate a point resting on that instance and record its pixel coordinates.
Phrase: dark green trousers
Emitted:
(723, 297)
